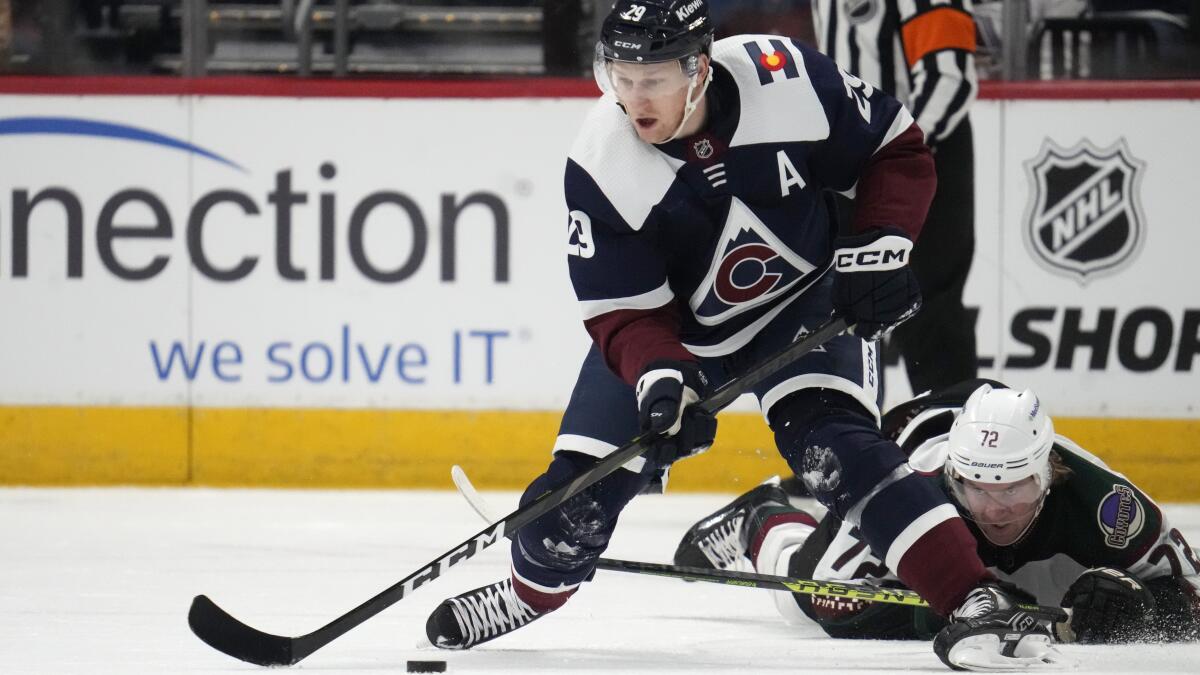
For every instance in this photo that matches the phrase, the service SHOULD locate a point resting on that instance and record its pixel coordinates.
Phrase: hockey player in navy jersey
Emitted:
(700, 241)
(1047, 514)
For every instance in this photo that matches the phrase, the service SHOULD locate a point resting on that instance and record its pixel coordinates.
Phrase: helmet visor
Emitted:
(998, 503)
(631, 81)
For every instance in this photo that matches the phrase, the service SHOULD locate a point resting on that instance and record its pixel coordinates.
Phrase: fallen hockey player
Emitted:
(1054, 525)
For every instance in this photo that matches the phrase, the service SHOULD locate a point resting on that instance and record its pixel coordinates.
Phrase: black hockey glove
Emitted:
(1107, 605)
(873, 286)
(665, 394)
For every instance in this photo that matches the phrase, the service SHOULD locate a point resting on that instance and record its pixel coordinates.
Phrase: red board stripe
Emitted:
(515, 88)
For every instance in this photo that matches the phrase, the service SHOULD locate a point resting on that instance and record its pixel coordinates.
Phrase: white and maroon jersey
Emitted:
(690, 248)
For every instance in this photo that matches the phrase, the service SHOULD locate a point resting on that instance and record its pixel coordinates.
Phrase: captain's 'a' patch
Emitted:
(774, 59)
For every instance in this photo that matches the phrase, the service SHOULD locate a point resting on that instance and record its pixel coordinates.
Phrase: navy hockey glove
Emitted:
(1107, 605)
(873, 286)
(665, 394)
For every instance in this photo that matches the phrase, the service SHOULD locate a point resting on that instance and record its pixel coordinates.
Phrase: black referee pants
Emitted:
(938, 344)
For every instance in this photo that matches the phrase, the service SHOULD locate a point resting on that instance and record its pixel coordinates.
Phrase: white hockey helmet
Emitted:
(1002, 437)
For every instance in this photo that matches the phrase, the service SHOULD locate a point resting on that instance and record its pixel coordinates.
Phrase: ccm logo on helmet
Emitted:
(628, 45)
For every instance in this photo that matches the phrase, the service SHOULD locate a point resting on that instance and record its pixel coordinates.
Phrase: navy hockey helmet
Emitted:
(654, 31)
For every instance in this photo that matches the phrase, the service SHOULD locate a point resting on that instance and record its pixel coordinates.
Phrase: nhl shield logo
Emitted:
(703, 148)
(1084, 217)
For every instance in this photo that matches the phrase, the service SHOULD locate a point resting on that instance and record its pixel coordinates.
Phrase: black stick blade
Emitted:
(226, 634)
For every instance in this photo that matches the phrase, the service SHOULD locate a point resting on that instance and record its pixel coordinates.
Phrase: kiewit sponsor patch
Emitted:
(687, 10)
(1121, 516)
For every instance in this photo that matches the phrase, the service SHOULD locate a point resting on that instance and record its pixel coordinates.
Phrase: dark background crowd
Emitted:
(1083, 39)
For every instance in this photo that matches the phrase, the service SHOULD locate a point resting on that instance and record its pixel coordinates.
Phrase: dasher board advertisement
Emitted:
(409, 253)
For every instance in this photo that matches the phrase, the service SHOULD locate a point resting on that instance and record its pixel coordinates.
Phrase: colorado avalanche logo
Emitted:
(1121, 516)
(754, 277)
(1084, 216)
(751, 266)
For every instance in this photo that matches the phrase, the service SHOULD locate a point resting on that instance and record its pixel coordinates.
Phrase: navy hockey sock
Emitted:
(558, 551)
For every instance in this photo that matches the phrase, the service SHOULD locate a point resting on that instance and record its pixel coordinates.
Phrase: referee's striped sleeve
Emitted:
(938, 37)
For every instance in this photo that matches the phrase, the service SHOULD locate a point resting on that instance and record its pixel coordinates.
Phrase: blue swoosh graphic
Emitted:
(71, 126)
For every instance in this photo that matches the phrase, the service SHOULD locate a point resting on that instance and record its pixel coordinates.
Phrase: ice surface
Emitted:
(99, 582)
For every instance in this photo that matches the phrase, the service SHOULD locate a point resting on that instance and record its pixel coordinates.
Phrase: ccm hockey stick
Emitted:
(223, 632)
(828, 589)
(727, 577)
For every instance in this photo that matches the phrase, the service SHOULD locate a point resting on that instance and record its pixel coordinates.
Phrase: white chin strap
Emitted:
(690, 106)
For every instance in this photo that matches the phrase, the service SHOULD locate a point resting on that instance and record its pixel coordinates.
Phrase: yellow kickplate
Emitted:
(321, 448)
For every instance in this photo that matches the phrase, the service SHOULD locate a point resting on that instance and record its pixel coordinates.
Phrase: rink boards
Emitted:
(319, 285)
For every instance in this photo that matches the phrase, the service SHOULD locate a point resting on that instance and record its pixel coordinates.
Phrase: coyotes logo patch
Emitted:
(1121, 516)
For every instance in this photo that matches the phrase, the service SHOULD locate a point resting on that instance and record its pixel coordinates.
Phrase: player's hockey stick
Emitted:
(225, 633)
(829, 589)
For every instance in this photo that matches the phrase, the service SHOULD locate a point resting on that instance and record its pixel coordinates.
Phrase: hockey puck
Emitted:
(426, 666)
